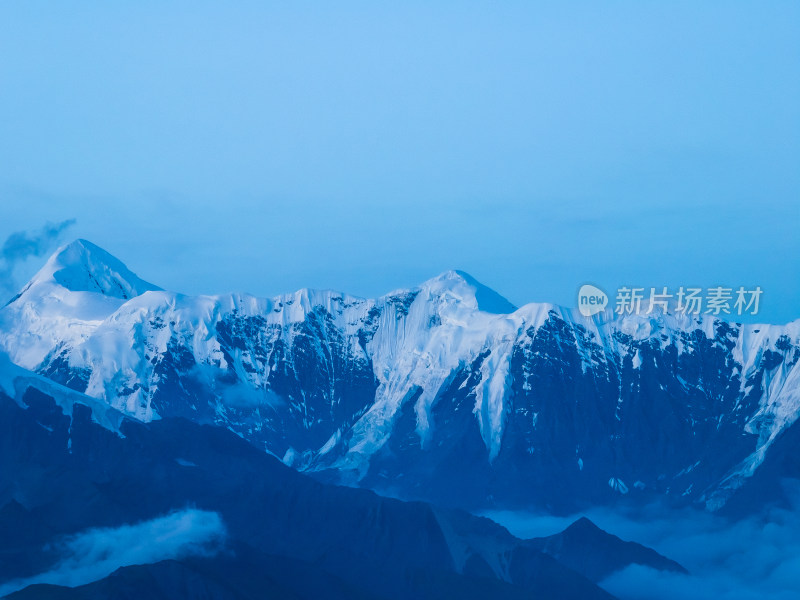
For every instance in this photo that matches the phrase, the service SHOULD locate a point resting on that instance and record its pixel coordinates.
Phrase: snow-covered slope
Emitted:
(445, 391)
(16, 383)
(77, 289)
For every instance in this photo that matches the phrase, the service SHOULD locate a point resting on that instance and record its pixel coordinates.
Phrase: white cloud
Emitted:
(747, 559)
(96, 553)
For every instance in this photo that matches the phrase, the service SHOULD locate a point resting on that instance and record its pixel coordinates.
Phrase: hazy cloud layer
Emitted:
(749, 559)
(21, 245)
(96, 553)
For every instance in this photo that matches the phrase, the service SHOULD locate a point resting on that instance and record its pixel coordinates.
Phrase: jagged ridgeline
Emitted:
(445, 392)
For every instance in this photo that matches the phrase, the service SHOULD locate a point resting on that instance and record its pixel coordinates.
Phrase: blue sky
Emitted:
(369, 146)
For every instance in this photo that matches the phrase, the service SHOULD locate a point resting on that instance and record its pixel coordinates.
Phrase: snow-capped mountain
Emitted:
(445, 392)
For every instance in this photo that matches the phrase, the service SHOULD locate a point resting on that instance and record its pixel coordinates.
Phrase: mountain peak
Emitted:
(82, 266)
(463, 284)
(583, 525)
